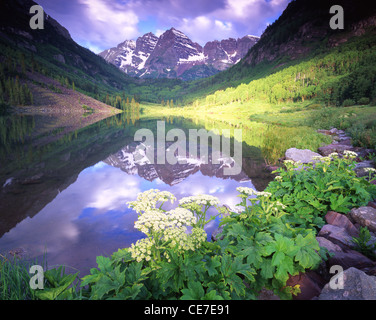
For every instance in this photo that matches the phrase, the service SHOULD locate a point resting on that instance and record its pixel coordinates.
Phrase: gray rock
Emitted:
(360, 168)
(342, 221)
(365, 216)
(350, 258)
(339, 148)
(356, 286)
(325, 243)
(337, 235)
(304, 156)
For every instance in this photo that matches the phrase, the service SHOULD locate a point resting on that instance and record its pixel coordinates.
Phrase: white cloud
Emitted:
(203, 29)
(106, 22)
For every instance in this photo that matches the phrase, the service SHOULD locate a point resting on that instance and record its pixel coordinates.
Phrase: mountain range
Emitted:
(300, 33)
(174, 55)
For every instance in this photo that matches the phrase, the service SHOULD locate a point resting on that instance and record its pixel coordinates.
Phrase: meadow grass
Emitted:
(263, 124)
(15, 279)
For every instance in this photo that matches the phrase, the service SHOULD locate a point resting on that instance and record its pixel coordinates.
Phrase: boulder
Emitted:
(310, 285)
(337, 235)
(323, 131)
(340, 220)
(339, 148)
(304, 156)
(356, 286)
(372, 204)
(360, 168)
(330, 246)
(350, 258)
(365, 216)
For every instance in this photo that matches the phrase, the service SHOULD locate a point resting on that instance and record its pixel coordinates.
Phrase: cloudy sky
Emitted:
(101, 24)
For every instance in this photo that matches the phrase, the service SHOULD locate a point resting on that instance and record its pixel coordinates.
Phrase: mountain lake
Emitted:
(64, 194)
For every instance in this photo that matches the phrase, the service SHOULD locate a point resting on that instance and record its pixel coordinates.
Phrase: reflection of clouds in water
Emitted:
(108, 189)
(56, 226)
(91, 217)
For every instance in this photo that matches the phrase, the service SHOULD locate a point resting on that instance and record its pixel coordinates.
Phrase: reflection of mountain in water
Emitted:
(171, 174)
(28, 184)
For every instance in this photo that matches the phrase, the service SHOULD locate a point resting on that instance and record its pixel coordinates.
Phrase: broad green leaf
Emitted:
(278, 258)
(128, 293)
(195, 291)
(212, 295)
(104, 264)
(267, 269)
(284, 268)
(307, 255)
(212, 264)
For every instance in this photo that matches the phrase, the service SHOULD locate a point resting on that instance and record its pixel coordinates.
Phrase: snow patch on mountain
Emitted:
(173, 53)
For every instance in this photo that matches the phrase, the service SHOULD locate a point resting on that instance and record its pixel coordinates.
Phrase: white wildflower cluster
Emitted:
(278, 178)
(327, 159)
(142, 250)
(201, 199)
(148, 200)
(369, 169)
(333, 155)
(264, 194)
(186, 241)
(350, 154)
(279, 204)
(175, 238)
(288, 162)
(250, 192)
(158, 221)
(246, 190)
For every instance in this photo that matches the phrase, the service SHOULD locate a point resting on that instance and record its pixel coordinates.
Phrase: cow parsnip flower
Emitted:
(148, 200)
(142, 249)
(201, 199)
(246, 191)
(156, 221)
(350, 154)
(264, 194)
(249, 192)
(333, 155)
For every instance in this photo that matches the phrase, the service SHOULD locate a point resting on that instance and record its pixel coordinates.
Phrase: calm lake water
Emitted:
(65, 194)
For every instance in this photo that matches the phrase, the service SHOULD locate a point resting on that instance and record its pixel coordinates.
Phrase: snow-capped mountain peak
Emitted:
(174, 54)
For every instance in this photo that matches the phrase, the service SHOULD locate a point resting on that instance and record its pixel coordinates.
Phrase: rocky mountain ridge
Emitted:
(173, 55)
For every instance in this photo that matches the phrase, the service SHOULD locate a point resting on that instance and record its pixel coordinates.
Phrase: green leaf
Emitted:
(212, 295)
(128, 293)
(195, 291)
(267, 269)
(278, 258)
(252, 251)
(59, 282)
(104, 264)
(307, 255)
(212, 264)
(284, 268)
(122, 255)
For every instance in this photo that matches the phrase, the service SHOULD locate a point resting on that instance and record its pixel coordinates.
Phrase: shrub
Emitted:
(309, 194)
(363, 101)
(348, 103)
